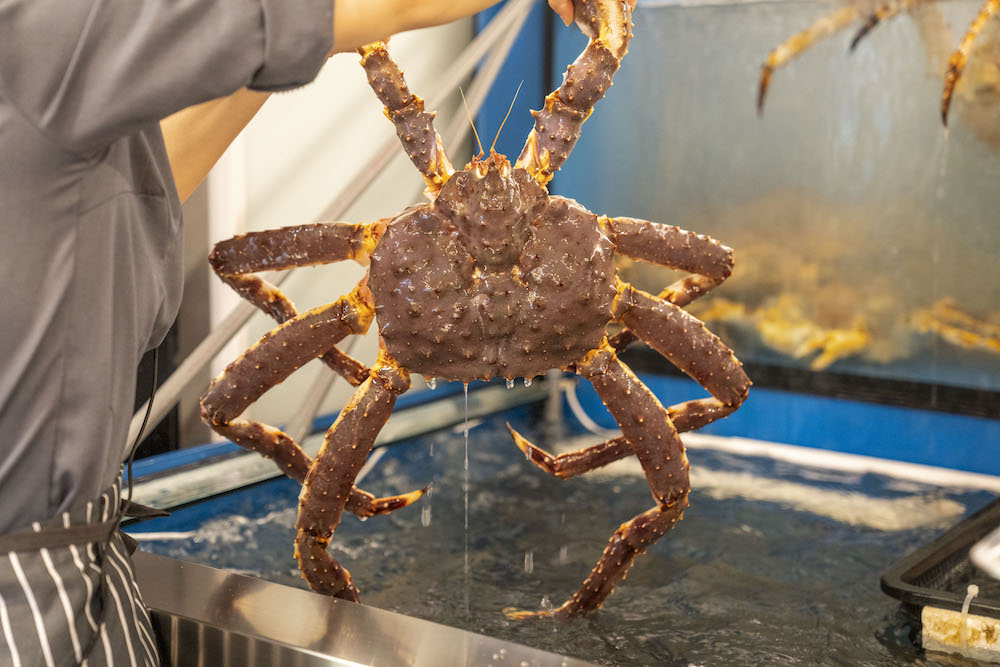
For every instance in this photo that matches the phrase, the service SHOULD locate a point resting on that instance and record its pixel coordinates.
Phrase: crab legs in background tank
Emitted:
(492, 278)
(934, 32)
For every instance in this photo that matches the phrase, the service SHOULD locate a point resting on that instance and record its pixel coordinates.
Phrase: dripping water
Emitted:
(510, 383)
(425, 511)
(432, 383)
(529, 562)
(465, 488)
(942, 166)
(527, 382)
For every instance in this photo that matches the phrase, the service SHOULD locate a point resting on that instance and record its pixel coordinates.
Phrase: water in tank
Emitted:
(865, 233)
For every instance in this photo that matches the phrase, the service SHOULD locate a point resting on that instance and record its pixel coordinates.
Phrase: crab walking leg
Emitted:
(414, 126)
(881, 14)
(295, 463)
(608, 24)
(302, 245)
(684, 340)
(686, 416)
(363, 504)
(673, 247)
(268, 362)
(269, 299)
(219, 408)
(796, 44)
(961, 55)
(680, 293)
(654, 440)
(235, 260)
(329, 482)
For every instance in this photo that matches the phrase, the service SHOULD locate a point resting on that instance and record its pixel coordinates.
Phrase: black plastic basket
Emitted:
(938, 574)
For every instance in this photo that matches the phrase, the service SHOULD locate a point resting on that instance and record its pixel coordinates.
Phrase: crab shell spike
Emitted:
(608, 24)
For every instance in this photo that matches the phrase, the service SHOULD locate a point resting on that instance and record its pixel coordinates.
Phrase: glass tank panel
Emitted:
(865, 233)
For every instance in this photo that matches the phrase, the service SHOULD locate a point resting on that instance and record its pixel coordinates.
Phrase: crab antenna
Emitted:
(507, 116)
(469, 114)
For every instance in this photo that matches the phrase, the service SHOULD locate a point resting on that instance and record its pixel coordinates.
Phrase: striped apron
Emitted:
(68, 594)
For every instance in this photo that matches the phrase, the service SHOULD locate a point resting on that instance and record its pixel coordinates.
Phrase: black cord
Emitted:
(145, 420)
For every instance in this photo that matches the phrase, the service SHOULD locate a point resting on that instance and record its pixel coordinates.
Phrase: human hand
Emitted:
(564, 8)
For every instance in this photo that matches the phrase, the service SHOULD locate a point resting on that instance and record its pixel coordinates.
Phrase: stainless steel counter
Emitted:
(213, 618)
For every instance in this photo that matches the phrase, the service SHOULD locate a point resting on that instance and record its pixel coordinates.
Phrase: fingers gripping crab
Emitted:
(492, 278)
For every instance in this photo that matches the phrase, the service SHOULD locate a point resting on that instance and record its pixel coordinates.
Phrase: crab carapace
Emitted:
(492, 278)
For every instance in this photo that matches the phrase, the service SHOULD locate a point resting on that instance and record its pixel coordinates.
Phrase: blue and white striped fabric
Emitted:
(76, 604)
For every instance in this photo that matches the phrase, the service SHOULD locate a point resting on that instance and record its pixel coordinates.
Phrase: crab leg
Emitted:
(881, 14)
(680, 293)
(684, 340)
(669, 246)
(961, 55)
(796, 44)
(673, 247)
(648, 428)
(414, 126)
(327, 486)
(686, 416)
(268, 363)
(235, 259)
(654, 440)
(608, 24)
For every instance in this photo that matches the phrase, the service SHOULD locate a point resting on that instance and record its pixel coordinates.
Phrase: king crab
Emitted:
(493, 278)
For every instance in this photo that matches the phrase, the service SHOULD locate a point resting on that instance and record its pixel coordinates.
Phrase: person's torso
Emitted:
(90, 262)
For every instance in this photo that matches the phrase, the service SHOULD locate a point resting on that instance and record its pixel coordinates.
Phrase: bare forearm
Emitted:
(359, 22)
(197, 137)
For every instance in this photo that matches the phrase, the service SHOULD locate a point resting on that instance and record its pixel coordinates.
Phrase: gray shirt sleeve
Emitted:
(87, 72)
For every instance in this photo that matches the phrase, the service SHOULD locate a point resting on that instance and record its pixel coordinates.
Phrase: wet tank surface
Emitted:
(774, 563)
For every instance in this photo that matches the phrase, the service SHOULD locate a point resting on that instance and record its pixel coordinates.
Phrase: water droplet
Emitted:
(547, 604)
(510, 383)
(529, 562)
(432, 383)
(527, 382)
(425, 515)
